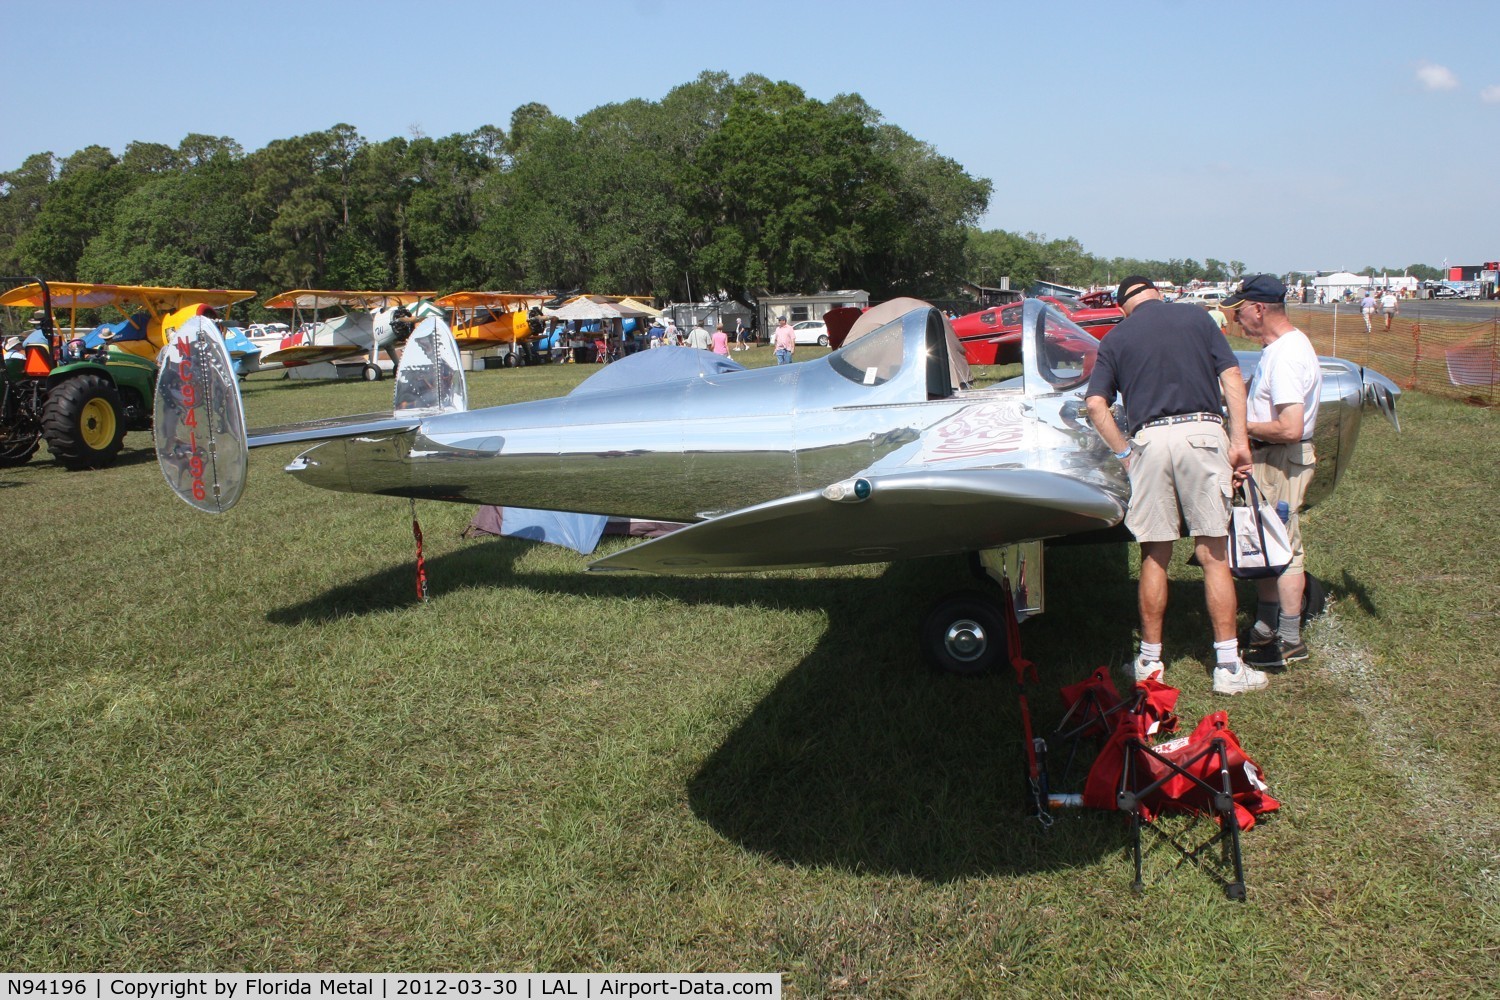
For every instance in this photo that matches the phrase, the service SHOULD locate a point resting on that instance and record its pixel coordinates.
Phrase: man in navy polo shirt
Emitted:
(1170, 363)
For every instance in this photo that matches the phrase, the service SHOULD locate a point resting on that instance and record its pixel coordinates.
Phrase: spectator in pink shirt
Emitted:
(785, 342)
(721, 341)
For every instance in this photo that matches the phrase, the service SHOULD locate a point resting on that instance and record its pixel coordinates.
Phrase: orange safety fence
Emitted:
(1431, 351)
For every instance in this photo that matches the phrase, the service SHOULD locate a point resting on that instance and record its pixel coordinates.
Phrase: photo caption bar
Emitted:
(386, 986)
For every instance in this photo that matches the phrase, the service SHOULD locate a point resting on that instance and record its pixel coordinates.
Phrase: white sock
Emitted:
(1151, 652)
(1227, 653)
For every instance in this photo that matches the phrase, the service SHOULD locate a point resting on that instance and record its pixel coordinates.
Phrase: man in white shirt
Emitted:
(698, 337)
(1281, 412)
(1388, 306)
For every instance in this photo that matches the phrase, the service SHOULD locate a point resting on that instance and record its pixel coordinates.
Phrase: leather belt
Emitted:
(1183, 418)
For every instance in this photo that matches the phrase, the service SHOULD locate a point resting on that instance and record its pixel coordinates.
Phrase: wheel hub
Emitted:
(97, 423)
(965, 640)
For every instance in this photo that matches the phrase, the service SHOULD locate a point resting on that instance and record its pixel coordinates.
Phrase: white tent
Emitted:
(584, 309)
(1336, 285)
(587, 307)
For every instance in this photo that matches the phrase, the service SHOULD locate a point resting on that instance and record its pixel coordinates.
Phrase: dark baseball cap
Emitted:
(1132, 286)
(1257, 288)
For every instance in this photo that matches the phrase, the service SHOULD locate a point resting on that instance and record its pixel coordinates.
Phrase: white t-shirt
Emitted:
(1288, 373)
(1388, 302)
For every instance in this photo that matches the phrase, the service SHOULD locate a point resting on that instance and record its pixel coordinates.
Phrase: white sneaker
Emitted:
(1145, 669)
(1228, 681)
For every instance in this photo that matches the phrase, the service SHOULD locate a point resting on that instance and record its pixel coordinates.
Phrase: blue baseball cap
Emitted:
(1257, 288)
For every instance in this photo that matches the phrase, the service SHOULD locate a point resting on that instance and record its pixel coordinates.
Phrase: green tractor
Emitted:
(82, 394)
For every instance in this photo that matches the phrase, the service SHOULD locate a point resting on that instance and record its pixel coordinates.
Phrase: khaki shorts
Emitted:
(1179, 475)
(1283, 472)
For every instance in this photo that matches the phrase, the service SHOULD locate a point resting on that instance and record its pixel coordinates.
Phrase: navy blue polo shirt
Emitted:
(1165, 359)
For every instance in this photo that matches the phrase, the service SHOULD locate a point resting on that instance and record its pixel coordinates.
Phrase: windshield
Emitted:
(1065, 356)
(874, 358)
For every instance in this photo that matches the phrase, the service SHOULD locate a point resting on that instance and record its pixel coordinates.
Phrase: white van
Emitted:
(1206, 296)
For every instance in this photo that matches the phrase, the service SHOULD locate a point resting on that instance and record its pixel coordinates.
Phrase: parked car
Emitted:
(811, 331)
(993, 336)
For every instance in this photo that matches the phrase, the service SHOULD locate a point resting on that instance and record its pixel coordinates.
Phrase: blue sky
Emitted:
(1285, 135)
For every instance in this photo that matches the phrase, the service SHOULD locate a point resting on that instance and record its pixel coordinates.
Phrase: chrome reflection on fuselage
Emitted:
(765, 462)
(702, 446)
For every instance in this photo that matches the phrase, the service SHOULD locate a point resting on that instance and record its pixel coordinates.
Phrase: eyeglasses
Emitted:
(1239, 310)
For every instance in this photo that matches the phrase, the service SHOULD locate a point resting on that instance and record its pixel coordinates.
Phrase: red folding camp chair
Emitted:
(1092, 709)
(1204, 773)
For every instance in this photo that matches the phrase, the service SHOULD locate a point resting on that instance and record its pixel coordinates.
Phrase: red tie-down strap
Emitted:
(1023, 668)
(416, 531)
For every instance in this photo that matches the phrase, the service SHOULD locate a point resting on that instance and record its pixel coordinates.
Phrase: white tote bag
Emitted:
(1258, 544)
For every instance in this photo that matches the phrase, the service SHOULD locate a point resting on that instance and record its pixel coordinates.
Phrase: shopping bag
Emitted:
(1258, 543)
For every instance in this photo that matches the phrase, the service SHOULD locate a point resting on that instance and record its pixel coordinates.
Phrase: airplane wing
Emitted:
(919, 513)
(322, 298)
(311, 354)
(476, 300)
(88, 295)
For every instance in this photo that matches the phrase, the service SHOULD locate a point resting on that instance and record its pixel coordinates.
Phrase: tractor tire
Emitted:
(18, 444)
(83, 422)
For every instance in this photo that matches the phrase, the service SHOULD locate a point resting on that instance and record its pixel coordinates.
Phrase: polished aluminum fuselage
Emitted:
(690, 451)
(763, 461)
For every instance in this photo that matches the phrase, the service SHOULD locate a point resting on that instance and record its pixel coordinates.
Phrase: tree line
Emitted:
(724, 186)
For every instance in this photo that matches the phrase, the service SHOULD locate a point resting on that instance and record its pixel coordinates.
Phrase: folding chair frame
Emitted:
(1090, 713)
(1221, 802)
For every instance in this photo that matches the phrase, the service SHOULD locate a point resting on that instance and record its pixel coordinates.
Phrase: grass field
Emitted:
(237, 743)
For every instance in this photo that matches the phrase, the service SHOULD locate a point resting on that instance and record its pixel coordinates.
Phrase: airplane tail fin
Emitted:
(430, 378)
(199, 419)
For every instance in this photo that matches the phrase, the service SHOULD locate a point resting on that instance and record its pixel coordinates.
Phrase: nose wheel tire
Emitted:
(1314, 598)
(964, 633)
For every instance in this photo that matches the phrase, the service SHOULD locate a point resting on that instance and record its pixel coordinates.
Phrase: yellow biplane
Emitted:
(492, 319)
(141, 335)
(372, 322)
(81, 390)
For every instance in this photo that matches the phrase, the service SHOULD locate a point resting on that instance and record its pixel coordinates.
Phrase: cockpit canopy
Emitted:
(1058, 354)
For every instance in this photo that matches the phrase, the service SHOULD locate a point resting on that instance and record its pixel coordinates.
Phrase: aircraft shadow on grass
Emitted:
(862, 757)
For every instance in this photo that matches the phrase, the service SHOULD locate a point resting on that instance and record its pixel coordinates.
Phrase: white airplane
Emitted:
(372, 322)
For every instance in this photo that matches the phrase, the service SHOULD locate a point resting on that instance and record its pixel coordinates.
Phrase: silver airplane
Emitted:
(877, 451)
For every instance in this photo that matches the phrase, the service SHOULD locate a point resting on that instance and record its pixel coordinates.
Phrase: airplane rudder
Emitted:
(202, 445)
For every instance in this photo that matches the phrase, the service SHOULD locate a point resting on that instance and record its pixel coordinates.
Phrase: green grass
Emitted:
(238, 743)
